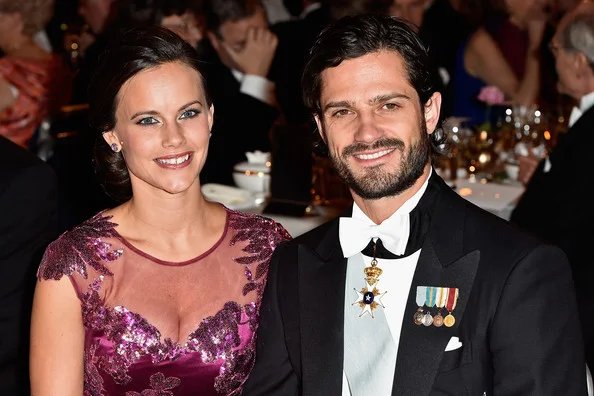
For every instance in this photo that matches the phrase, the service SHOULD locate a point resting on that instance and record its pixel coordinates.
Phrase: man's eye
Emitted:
(340, 113)
(147, 121)
(191, 113)
(391, 106)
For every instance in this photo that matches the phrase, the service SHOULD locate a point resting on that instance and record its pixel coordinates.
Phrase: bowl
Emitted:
(254, 177)
(512, 171)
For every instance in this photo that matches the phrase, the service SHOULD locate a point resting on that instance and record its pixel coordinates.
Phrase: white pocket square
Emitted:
(453, 344)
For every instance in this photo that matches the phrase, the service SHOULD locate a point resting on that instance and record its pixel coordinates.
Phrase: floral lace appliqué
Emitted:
(93, 380)
(160, 386)
(262, 236)
(78, 248)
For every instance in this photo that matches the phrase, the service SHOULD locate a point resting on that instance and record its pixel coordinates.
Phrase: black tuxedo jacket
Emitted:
(557, 206)
(241, 122)
(28, 199)
(516, 315)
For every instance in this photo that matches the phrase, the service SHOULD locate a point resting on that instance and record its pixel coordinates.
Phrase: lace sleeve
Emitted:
(78, 249)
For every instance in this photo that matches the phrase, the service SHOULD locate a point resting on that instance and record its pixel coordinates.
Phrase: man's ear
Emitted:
(432, 110)
(214, 41)
(320, 125)
(582, 64)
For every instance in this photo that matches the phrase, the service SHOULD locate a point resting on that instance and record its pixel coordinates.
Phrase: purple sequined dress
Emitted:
(158, 328)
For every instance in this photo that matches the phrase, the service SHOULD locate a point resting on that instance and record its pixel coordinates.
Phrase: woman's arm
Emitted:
(484, 60)
(57, 340)
(7, 97)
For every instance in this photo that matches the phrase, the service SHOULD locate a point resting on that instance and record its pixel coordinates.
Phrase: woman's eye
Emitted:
(189, 113)
(147, 121)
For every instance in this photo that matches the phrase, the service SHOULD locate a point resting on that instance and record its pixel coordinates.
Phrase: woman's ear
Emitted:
(210, 117)
(112, 140)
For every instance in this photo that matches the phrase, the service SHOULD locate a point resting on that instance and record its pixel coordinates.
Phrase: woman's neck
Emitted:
(173, 215)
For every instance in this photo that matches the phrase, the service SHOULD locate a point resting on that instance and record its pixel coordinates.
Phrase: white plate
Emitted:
(232, 197)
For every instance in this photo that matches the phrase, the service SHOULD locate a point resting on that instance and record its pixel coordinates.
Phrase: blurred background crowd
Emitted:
(494, 61)
(254, 51)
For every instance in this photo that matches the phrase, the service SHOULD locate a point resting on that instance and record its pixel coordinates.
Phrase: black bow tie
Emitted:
(420, 219)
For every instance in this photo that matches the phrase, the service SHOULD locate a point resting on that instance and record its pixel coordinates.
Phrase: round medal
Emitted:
(418, 317)
(427, 319)
(449, 320)
(438, 320)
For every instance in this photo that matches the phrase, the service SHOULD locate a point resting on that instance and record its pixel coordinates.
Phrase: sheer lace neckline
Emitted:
(154, 259)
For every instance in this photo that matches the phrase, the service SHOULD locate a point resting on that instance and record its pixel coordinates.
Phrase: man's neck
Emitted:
(379, 210)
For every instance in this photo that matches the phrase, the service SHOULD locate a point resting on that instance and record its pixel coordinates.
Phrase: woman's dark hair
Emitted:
(136, 50)
(355, 36)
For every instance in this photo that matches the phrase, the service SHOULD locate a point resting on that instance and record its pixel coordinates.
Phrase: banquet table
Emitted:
(497, 198)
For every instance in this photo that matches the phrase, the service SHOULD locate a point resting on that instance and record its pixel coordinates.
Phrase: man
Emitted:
(239, 52)
(557, 205)
(463, 304)
(28, 197)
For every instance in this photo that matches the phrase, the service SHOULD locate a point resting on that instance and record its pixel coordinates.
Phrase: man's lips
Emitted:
(374, 155)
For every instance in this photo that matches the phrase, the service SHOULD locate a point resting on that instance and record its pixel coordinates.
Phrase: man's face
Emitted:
(235, 33)
(95, 13)
(566, 65)
(373, 123)
(411, 10)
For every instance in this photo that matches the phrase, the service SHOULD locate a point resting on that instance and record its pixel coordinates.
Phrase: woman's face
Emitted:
(186, 26)
(526, 10)
(162, 127)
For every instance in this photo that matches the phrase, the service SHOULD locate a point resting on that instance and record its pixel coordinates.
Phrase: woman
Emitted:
(159, 295)
(505, 53)
(33, 82)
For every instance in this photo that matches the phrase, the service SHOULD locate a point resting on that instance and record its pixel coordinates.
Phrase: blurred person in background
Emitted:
(33, 82)
(161, 294)
(238, 51)
(28, 194)
(505, 52)
(557, 202)
(443, 30)
(182, 17)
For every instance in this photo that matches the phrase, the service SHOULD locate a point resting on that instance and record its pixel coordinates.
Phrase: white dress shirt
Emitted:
(256, 86)
(396, 281)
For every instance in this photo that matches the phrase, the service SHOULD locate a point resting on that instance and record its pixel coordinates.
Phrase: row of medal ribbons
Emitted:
(435, 298)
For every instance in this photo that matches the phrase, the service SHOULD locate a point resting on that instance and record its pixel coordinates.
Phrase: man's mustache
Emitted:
(386, 143)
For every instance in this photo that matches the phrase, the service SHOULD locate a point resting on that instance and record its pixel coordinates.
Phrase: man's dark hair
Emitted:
(355, 36)
(219, 12)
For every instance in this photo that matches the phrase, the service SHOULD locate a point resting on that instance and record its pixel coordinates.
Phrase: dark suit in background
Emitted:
(28, 199)
(241, 122)
(557, 206)
(516, 315)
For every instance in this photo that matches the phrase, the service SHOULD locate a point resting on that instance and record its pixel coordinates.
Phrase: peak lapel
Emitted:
(443, 263)
(322, 276)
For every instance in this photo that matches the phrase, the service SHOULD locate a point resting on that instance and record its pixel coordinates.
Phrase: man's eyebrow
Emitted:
(386, 97)
(340, 103)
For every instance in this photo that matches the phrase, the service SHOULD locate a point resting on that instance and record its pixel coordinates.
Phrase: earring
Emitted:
(115, 148)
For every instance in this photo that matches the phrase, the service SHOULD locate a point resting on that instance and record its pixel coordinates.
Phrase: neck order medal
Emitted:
(370, 298)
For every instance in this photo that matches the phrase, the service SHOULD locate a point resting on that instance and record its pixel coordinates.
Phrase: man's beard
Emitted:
(376, 182)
